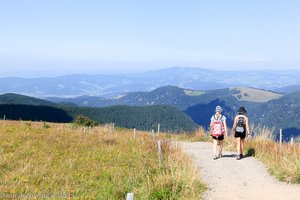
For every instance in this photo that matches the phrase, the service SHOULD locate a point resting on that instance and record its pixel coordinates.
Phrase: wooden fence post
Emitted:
(134, 130)
(153, 136)
(4, 117)
(292, 141)
(280, 137)
(158, 128)
(159, 152)
(130, 196)
(111, 128)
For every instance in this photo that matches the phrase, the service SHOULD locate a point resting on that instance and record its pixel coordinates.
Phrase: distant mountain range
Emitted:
(288, 89)
(194, 92)
(174, 96)
(267, 108)
(184, 77)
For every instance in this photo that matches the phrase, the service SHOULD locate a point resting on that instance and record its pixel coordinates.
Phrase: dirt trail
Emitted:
(228, 178)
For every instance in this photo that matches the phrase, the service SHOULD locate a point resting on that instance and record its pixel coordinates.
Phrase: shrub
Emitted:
(85, 121)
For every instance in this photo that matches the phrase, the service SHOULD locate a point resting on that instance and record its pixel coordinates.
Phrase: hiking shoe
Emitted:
(215, 157)
(241, 156)
(238, 157)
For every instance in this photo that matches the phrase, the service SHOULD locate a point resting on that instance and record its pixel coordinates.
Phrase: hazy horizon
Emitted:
(54, 38)
(39, 74)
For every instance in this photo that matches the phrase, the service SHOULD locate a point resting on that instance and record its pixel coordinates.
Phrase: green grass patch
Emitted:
(60, 159)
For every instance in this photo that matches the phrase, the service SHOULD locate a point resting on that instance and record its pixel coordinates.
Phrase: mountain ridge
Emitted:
(13, 98)
(281, 111)
(20, 107)
(175, 96)
(264, 107)
(108, 85)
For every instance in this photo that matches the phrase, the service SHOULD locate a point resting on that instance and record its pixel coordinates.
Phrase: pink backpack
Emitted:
(217, 127)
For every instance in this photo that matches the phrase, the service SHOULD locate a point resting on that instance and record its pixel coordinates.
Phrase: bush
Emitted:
(46, 125)
(85, 121)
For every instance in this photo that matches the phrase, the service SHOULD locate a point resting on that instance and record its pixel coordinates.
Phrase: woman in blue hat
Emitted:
(218, 128)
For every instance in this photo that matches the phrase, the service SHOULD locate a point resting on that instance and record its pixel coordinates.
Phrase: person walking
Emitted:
(240, 128)
(218, 128)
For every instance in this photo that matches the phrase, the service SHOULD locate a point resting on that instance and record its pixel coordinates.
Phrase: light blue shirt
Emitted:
(214, 118)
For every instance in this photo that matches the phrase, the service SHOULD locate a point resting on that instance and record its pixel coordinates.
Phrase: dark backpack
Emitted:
(241, 125)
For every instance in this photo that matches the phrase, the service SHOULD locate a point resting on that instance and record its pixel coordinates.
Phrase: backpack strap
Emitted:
(243, 116)
(220, 118)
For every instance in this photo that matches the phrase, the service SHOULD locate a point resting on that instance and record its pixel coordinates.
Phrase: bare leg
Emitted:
(242, 146)
(215, 147)
(238, 145)
(221, 148)
(238, 148)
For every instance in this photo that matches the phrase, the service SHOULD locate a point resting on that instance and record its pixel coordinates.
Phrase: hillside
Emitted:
(256, 95)
(265, 108)
(143, 118)
(140, 117)
(289, 89)
(11, 98)
(200, 105)
(280, 113)
(167, 95)
(174, 96)
(88, 101)
(34, 113)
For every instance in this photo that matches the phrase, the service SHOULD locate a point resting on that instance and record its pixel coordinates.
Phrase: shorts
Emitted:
(240, 135)
(218, 137)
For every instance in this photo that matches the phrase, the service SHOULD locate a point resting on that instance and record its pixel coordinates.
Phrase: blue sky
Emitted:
(55, 37)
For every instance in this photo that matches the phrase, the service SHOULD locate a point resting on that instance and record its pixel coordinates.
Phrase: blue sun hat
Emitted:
(219, 109)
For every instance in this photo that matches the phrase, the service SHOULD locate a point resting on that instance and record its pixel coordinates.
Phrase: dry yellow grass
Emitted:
(60, 160)
(282, 162)
(199, 135)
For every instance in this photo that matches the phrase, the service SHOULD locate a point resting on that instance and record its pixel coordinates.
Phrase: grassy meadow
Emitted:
(282, 162)
(63, 161)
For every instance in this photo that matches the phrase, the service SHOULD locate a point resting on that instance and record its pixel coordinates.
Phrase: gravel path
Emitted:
(228, 178)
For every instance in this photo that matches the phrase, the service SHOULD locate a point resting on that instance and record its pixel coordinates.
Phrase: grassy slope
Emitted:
(283, 162)
(256, 95)
(39, 159)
